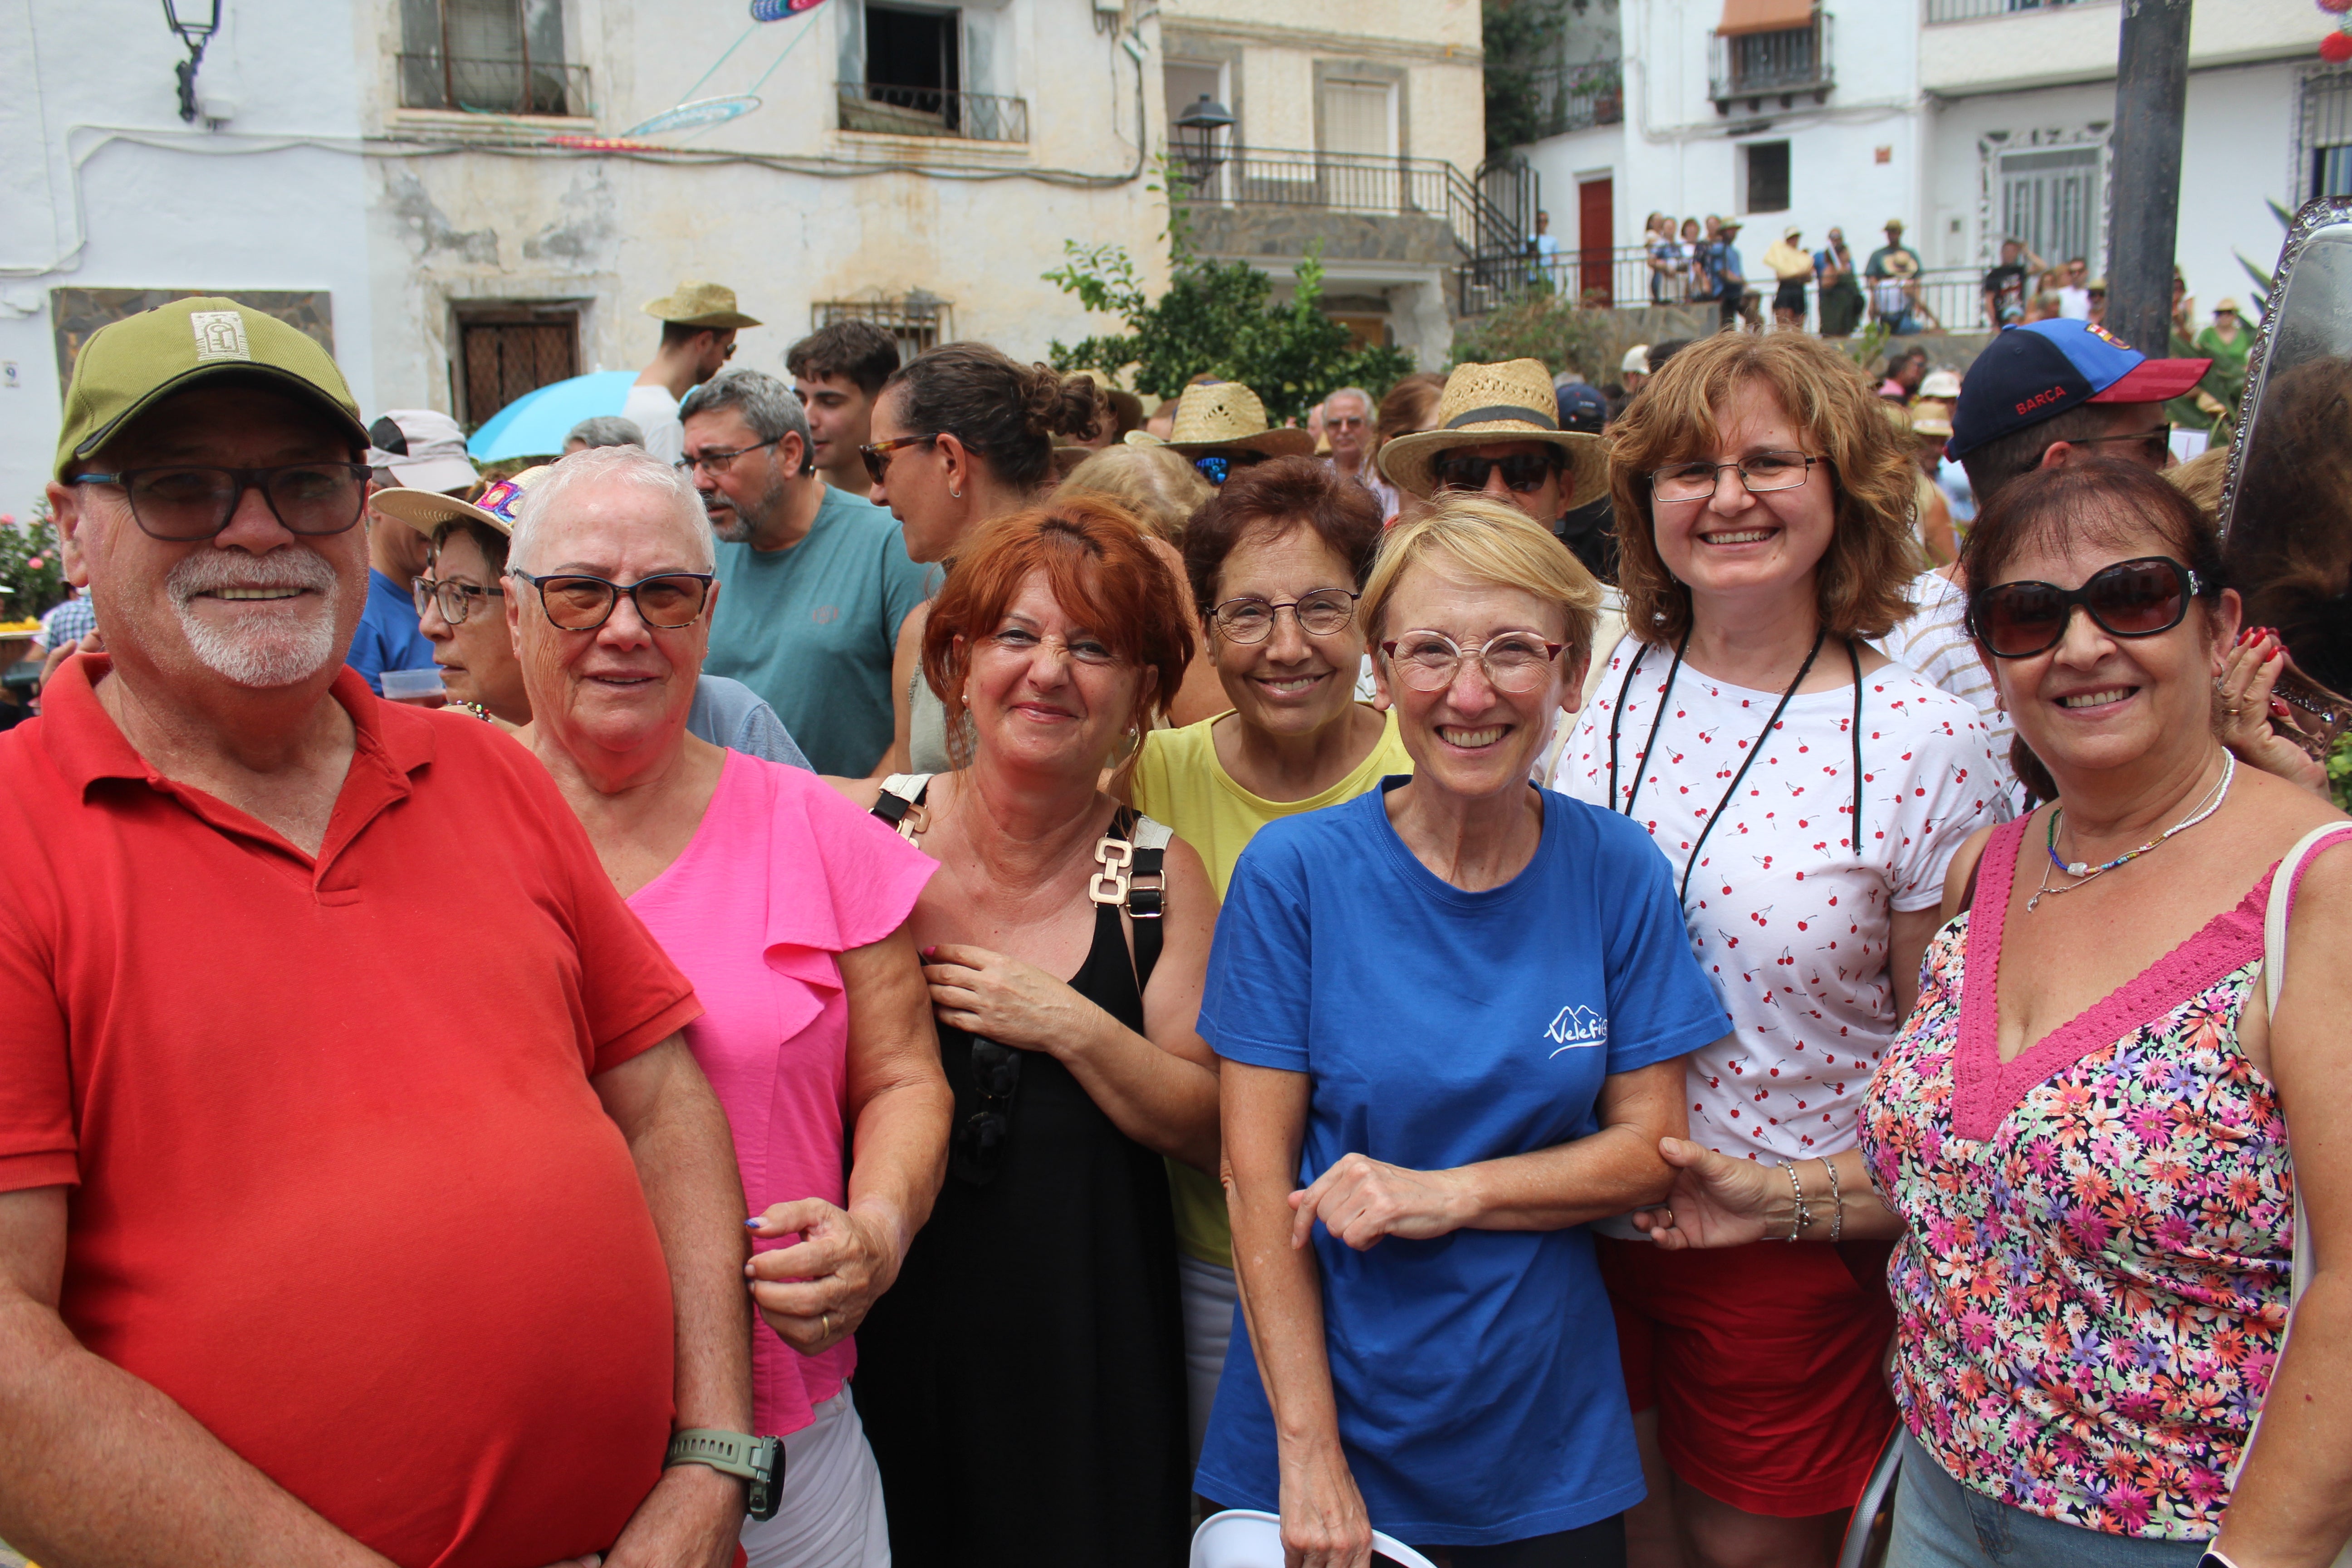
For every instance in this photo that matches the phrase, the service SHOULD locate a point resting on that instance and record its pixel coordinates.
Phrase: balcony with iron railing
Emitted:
(1976, 10)
(1784, 64)
(880, 108)
(1578, 97)
(436, 80)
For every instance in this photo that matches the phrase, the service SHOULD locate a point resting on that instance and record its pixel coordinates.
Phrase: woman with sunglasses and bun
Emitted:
(2094, 1135)
(1807, 796)
(1023, 1381)
(1277, 559)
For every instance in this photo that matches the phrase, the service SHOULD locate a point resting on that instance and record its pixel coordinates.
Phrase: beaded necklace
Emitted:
(2083, 872)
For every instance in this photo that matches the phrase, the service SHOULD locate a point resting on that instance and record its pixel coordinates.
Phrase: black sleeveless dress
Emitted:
(1023, 1383)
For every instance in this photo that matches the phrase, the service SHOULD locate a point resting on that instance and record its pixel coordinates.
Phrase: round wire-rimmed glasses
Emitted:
(1249, 619)
(575, 602)
(1516, 662)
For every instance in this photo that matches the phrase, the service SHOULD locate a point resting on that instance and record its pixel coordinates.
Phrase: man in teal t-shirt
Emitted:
(813, 581)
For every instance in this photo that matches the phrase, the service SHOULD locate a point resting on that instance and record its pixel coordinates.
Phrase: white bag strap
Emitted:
(900, 803)
(1150, 834)
(2274, 916)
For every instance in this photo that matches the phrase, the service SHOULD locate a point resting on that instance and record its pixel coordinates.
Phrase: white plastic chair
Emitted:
(1251, 1538)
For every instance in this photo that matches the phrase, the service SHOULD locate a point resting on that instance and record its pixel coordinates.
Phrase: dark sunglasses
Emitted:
(2130, 599)
(1522, 471)
(1216, 467)
(877, 456)
(976, 1151)
(186, 504)
(575, 602)
(2155, 443)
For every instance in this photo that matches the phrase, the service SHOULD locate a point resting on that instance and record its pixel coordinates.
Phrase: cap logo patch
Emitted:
(220, 335)
(2039, 398)
(2106, 336)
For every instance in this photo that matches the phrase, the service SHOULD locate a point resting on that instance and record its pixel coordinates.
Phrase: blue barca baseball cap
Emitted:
(2029, 374)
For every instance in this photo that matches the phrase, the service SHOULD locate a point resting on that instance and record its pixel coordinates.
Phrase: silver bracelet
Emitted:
(1801, 1220)
(1837, 1202)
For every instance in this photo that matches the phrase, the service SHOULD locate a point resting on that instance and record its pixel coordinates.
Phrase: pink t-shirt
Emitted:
(782, 875)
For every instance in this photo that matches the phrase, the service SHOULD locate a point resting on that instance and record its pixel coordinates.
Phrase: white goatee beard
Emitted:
(291, 644)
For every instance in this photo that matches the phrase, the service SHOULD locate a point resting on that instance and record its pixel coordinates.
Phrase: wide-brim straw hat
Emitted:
(1931, 416)
(697, 304)
(1225, 417)
(1486, 405)
(425, 510)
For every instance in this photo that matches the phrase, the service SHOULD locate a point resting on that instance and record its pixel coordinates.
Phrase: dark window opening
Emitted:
(1770, 61)
(2331, 172)
(501, 357)
(1768, 177)
(911, 49)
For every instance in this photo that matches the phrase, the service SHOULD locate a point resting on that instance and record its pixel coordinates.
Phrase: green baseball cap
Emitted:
(126, 366)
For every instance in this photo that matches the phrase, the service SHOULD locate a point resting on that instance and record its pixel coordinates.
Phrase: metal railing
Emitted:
(1973, 10)
(436, 80)
(1578, 98)
(1944, 298)
(932, 112)
(1757, 66)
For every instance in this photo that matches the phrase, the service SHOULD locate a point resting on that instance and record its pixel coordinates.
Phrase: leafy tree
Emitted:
(1217, 318)
(1541, 324)
(1520, 38)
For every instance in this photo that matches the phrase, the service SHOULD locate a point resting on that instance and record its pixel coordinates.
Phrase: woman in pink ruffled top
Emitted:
(786, 905)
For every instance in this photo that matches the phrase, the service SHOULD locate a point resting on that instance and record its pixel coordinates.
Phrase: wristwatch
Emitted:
(759, 1460)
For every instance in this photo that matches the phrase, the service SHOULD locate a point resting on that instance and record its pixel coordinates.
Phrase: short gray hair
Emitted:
(771, 408)
(1355, 391)
(606, 430)
(610, 465)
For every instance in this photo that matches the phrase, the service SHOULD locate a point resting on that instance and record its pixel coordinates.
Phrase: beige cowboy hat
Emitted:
(696, 304)
(1225, 417)
(1929, 416)
(1486, 406)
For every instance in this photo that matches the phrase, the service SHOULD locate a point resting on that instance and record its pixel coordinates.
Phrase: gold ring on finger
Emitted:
(824, 1320)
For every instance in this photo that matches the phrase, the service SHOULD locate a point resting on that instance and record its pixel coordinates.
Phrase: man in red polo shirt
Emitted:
(358, 1200)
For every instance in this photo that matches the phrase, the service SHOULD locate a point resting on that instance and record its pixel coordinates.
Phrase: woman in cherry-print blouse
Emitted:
(1807, 794)
(2081, 1135)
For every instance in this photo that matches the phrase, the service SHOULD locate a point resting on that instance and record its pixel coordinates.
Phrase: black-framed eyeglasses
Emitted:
(2139, 598)
(1760, 473)
(1523, 472)
(976, 1151)
(1218, 467)
(183, 504)
(2157, 442)
(1516, 662)
(877, 454)
(719, 462)
(453, 599)
(1320, 613)
(575, 602)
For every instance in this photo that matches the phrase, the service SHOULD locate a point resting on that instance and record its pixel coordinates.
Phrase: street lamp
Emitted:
(196, 21)
(1196, 137)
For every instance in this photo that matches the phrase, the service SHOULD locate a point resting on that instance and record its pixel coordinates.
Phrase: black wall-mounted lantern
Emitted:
(195, 22)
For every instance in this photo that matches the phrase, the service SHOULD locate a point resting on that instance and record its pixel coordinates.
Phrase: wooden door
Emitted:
(1596, 207)
(503, 360)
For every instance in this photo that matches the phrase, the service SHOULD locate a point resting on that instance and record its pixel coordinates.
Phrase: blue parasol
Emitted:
(534, 425)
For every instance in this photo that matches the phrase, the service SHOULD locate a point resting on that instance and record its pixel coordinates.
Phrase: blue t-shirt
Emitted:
(1479, 1392)
(387, 638)
(811, 628)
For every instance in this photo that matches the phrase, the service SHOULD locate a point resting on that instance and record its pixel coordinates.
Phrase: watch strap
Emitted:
(760, 1461)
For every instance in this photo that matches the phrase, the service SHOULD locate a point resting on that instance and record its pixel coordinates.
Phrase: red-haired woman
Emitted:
(1022, 1383)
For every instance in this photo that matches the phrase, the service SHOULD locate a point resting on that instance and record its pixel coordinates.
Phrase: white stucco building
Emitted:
(1966, 118)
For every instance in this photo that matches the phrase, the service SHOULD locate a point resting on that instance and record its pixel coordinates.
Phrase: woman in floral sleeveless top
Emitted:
(2079, 1135)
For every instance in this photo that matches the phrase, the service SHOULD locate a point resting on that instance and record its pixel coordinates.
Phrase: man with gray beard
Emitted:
(312, 1249)
(817, 581)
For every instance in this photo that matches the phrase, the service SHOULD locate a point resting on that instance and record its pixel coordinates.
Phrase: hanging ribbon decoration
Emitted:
(2335, 49)
(696, 114)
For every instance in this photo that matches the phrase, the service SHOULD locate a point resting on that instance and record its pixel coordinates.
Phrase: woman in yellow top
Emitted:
(1276, 561)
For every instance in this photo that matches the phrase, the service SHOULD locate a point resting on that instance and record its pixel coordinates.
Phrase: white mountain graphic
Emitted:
(1576, 1026)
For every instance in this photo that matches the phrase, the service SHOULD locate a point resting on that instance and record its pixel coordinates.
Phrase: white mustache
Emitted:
(288, 566)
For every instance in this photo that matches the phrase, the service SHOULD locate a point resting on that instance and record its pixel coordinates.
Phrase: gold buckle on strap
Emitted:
(1109, 884)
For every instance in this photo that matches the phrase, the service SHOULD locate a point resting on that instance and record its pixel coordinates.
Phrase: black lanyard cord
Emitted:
(1665, 697)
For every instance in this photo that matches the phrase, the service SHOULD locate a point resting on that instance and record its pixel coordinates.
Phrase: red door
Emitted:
(1596, 205)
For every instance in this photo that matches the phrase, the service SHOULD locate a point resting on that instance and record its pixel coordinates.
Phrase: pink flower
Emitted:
(36, 563)
(6, 517)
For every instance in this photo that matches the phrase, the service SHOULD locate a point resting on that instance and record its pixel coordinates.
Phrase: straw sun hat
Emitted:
(1225, 417)
(699, 304)
(425, 510)
(1487, 406)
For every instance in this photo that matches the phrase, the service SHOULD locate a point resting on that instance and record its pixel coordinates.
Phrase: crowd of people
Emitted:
(942, 968)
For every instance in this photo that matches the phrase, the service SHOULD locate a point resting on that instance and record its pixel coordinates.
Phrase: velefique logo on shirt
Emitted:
(1576, 1026)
